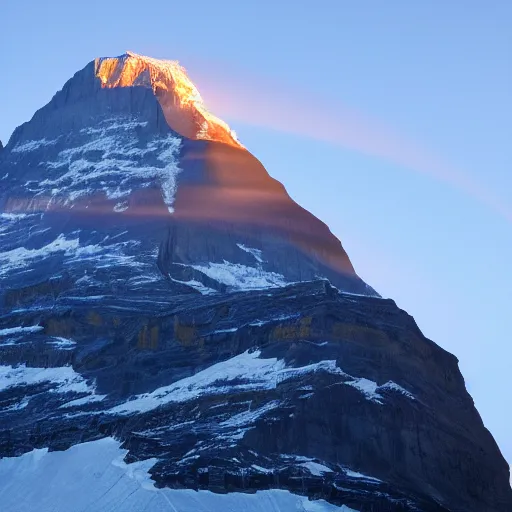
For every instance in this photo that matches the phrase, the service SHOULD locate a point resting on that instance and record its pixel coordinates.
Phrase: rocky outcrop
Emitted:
(165, 291)
(301, 374)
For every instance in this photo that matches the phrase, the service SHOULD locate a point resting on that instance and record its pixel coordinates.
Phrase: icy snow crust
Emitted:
(94, 477)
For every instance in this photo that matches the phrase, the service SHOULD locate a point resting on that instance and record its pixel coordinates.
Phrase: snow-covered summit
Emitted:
(179, 98)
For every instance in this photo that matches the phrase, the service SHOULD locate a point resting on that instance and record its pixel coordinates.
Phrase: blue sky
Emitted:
(297, 80)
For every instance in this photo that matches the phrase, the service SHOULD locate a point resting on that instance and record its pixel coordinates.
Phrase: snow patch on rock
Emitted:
(9, 331)
(393, 386)
(254, 252)
(62, 343)
(14, 216)
(315, 468)
(102, 254)
(32, 145)
(372, 390)
(355, 474)
(244, 372)
(241, 277)
(63, 379)
(251, 415)
(200, 287)
(20, 256)
(368, 388)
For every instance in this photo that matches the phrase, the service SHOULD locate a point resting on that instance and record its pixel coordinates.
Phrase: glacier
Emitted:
(93, 477)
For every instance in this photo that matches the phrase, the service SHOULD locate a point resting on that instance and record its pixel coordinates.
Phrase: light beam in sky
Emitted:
(239, 97)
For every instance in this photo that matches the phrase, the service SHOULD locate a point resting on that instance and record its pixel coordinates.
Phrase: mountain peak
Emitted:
(179, 98)
(161, 295)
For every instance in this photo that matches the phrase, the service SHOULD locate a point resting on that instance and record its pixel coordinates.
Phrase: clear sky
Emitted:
(391, 121)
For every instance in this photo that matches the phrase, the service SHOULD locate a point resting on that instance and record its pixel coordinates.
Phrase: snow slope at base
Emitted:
(93, 477)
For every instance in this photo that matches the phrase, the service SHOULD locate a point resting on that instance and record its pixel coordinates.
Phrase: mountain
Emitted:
(176, 333)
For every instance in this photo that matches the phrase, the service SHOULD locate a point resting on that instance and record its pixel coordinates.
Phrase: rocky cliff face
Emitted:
(171, 318)
(102, 153)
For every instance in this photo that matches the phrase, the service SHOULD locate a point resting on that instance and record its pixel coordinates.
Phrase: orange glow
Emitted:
(180, 100)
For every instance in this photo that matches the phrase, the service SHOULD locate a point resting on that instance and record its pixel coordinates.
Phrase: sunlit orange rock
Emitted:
(179, 98)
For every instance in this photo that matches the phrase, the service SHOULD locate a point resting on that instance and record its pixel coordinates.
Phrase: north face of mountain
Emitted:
(176, 333)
